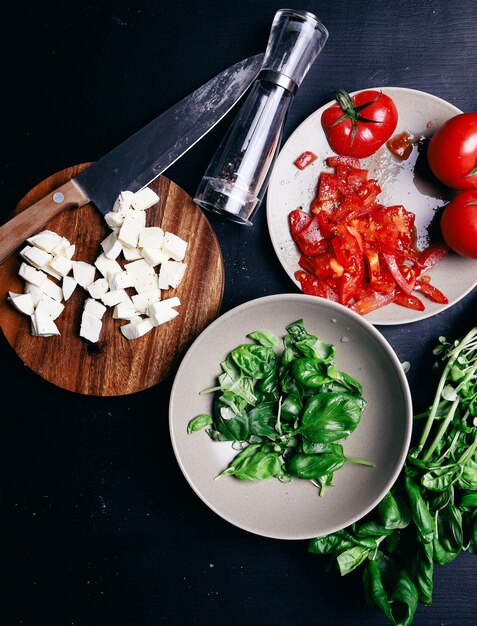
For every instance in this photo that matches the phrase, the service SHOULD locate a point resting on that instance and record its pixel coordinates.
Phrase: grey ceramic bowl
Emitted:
(295, 510)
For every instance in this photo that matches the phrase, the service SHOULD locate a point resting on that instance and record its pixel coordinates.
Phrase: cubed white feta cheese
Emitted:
(35, 256)
(143, 300)
(34, 291)
(154, 256)
(131, 254)
(134, 330)
(94, 308)
(90, 328)
(98, 288)
(112, 248)
(42, 324)
(31, 275)
(114, 220)
(61, 247)
(174, 246)
(83, 273)
(46, 240)
(123, 201)
(52, 289)
(124, 311)
(133, 224)
(171, 274)
(68, 286)
(151, 237)
(144, 199)
(61, 264)
(163, 311)
(107, 266)
(111, 298)
(49, 306)
(121, 280)
(22, 302)
(139, 269)
(69, 251)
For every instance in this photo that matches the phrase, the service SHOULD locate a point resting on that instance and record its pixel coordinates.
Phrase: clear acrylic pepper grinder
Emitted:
(237, 177)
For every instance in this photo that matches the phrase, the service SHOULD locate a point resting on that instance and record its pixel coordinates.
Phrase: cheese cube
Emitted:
(68, 251)
(107, 266)
(34, 291)
(134, 330)
(31, 275)
(68, 286)
(144, 199)
(121, 280)
(131, 254)
(90, 328)
(23, 302)
(111, 246)
(49, 306)
(139, 269)
(83, 273)
(123, 201)
(143, 300)
(114, 297)
(61, 246)
(133, 224)
(174, 246)
(52, 289)
(94, 308)
(162, 312)
(98, 288)
(154, 256)
(61, 264)
(46, 240)
(42, 324)
(49, 270)
(124, 311)
(171, 274)
(36, 257)
(114, 220)
(151, 237)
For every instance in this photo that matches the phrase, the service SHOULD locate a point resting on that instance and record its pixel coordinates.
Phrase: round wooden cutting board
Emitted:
(117, 366)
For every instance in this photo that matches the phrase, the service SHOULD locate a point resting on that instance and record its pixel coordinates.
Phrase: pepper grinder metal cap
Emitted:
(237, 177)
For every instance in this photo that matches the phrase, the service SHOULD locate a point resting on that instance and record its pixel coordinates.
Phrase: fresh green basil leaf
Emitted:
(350, 559)
(468, 479)
(331, 544)
(309, 372)
(255, 360)
(292, 406)
(394, 513)
(265, 338)
(374, 589)
(345, 380)
(441, 478)
(419, 511)
(258, 463)
(373, 529)
(403, 600)
(316, 349)
(330, 417)
(268, 386)
(262, 419)
(309, 466)
(297, 330)
(232, 427)
(199, 422)
(468, 499)
(423, 572)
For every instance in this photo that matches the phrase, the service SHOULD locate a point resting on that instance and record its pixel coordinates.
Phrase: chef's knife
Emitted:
(141, 158)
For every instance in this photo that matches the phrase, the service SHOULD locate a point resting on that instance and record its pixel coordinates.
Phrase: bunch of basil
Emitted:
(287, 412)
(430, 516)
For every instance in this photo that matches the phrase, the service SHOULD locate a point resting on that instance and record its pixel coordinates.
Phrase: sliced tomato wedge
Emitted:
(305, 159)
(409, 301)
(431, 292)
(372, 301)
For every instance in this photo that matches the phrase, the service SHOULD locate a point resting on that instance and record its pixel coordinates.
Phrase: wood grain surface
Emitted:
(117, 366)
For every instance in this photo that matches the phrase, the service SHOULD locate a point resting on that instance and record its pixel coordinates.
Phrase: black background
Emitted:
(98, 524)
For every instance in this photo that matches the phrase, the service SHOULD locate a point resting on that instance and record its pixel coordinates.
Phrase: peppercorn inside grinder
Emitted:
(237, 177)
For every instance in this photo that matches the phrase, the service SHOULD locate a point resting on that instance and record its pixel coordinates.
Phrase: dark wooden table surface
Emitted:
(99, 527)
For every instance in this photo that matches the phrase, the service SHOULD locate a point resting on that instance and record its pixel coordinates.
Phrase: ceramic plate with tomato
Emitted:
(407, 182)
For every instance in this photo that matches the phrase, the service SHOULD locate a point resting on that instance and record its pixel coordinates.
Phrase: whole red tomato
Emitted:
(358, 126)
(452, 153)
(459, 224)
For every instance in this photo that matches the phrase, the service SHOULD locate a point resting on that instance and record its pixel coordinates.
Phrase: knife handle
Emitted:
(26, 223)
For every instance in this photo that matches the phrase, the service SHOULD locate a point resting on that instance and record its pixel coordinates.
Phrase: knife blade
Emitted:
(140, 159)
